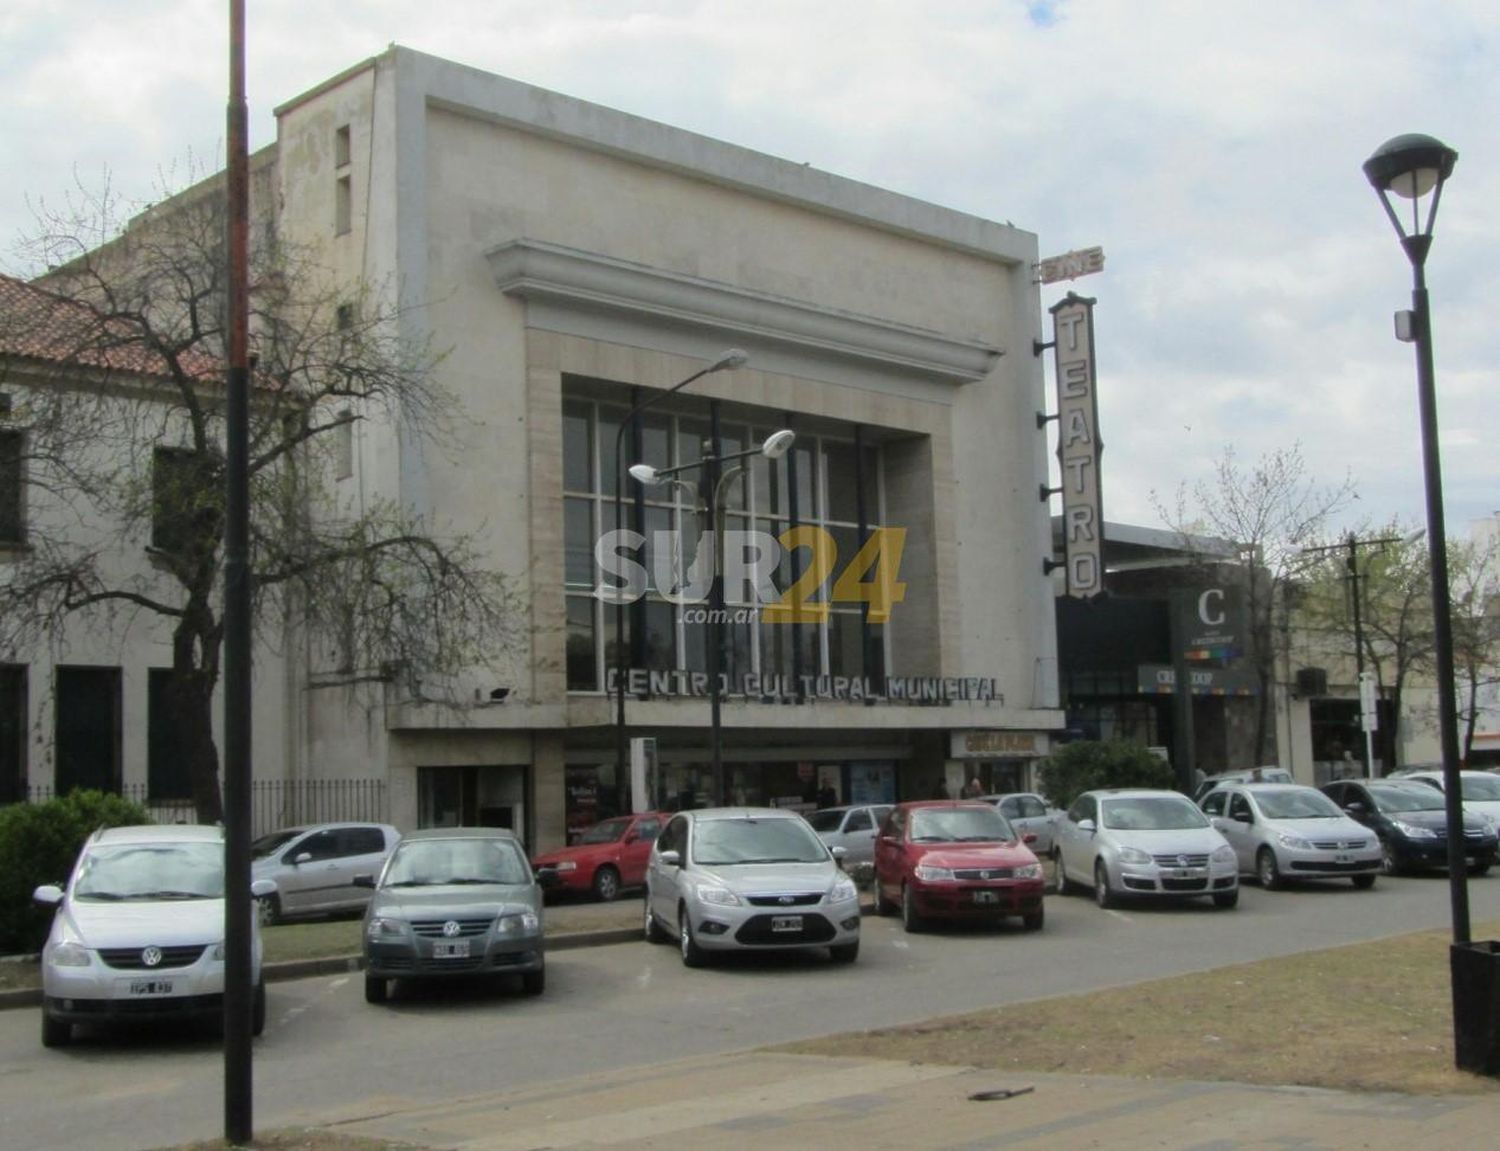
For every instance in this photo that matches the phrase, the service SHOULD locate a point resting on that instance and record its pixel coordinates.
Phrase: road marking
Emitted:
(1120, 915)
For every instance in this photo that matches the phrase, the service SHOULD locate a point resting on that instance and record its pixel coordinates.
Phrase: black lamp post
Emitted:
(710, 466)
(1415, 168)
(733, 358)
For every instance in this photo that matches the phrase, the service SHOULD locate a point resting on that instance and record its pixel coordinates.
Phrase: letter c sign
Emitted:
(1210, 607)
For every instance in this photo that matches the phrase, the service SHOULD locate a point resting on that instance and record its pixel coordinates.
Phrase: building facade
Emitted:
(568, 264)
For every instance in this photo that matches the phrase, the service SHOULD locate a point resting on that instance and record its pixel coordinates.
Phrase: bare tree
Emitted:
(1474, 593)
(118, 354)
(1269, 510)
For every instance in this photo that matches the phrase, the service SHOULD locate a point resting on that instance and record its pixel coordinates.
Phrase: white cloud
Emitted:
(1214, 149)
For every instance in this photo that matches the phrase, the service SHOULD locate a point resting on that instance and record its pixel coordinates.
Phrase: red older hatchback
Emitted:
(947, 859)
(607, 857)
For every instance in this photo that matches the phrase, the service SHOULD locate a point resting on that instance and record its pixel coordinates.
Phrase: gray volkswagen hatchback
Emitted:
(454, 901)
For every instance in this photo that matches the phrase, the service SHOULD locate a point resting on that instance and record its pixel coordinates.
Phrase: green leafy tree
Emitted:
(1088, 764)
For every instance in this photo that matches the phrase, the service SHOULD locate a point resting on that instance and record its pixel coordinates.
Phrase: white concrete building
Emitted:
(571, 261)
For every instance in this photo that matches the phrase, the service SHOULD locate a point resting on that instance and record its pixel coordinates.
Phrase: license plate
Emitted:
(786, 923)
(1184, 873)
(151, 987)
(985, 897)
(451, 949)
(1343, 857)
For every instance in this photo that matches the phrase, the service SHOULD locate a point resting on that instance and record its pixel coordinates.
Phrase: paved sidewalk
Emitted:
(754, 1100)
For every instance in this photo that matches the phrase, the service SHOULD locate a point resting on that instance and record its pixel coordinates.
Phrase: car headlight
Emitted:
(1223, 854)
(1029, 871)
(843, 891)
(1412, 831)
(1133, 855)
(69, 954)
(565, 865)
(1295, 842)
(517, 923)
(719, 896)
(216, 952)
(928, 873)
(380, 927)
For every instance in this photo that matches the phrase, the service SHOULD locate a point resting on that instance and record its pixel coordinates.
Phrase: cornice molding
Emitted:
(588, 282)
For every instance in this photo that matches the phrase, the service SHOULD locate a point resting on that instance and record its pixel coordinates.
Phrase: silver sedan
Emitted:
(1282, 832)
(726, 879)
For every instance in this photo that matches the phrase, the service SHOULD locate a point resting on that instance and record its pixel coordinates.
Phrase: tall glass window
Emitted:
(838, 484)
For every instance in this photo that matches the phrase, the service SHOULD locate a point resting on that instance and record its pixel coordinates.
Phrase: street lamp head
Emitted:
(733, 358)
(1412, 167)
(778, 444)
(645, 474)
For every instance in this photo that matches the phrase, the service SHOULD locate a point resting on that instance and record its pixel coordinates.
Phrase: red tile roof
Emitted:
(39, 325)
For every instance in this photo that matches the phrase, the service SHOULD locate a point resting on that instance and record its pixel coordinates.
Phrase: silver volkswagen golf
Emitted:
(724, 879)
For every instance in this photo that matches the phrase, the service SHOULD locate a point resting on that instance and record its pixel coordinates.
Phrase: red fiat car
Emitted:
(607, 857)
(947, 859)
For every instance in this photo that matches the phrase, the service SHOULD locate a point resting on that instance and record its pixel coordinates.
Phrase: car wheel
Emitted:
(269, 911)
(1065, 886)
(1103, 896)
(1389, 863)
(606, 884)
(55, 1033)
(534, 982)
(883, 906)
(258, 1009)
(1266, 870)
(375, 989)
(1363, 882)
(844, 952)
(911, 918)
(692, 954)
(1224, 900)
(1034, 921)
(654, 932)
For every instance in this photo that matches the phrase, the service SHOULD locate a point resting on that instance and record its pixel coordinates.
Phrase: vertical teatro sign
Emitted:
(1078, 445)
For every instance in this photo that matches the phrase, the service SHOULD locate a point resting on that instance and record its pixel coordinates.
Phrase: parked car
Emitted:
(1480, 791)
(724, 879)
(607, 858)
(314, 867)
(955, 860)
(1029, 814)
(852, 828)
(1266, 774)
(454, 901)
(1284, 831)
(1410, 817)
(1144, 842)
(139, 932)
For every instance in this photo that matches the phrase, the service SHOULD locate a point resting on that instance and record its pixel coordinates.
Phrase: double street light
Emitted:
(1414, 168)
(733, 358)
(713, 489)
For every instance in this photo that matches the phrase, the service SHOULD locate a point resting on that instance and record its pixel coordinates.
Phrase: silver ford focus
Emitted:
(724, 879)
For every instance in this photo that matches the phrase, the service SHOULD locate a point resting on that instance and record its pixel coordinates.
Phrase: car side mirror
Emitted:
(547, 877)
(364, 881)
(1087, 825)
(1355, 808)
(262, 888)
(630, 837)
(671, 858)
(47, 895)
(838, 854)
(1029, 838)
(302, 857)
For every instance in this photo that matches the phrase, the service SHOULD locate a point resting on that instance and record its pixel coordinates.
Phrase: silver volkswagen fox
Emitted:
(723, 879)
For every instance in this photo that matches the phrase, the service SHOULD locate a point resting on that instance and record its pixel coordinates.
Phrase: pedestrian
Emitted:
(974, 790)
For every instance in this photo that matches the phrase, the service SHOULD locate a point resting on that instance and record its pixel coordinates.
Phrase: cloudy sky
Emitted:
(1212, 148)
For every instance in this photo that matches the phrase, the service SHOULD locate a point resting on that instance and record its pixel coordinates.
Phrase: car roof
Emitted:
(1134, 792)
(458, 833)
(705, 813)
(160, 833)
(302, 828)
(916, 803)
(1257, 787)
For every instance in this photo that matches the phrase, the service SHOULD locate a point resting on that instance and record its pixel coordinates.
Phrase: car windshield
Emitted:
(1413, 797)
(609, 831)
(828, 820)
(1481, 787)
(152, 871)
(1151, 813)
(1304, 803)
(435, 862)
(976, 824)
(717, 842)
(274, 842)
